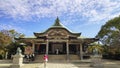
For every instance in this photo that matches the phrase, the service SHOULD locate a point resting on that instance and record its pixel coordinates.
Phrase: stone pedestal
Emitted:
(96, 61)
(17, 61)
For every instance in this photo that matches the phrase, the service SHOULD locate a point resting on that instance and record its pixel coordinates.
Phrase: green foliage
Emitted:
(4, 39)
(109, 35)
(7, 42)
(109, 32)
(95, 46)
(15, 34)
(12, 49)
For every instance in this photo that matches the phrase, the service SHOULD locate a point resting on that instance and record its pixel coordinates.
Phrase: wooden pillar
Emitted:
(77, 50)
(67, 49)
(47, 47)
(33, 47)
(37, 48)
(81, 52)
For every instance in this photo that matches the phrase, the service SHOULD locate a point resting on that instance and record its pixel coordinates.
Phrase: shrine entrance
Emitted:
(57, 48)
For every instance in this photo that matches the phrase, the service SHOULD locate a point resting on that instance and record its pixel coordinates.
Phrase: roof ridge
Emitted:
(57, 22)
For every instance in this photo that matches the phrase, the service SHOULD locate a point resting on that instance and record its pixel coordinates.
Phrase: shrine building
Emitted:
(57, 40)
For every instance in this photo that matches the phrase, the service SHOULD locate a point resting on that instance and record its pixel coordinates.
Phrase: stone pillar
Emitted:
(81, 52)
(17, 60)
(47, 47)
(67, 49)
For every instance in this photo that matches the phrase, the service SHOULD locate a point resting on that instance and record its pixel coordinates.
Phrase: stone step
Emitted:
(74, 57)
(57, 57)
(39, 58)
(5, 61)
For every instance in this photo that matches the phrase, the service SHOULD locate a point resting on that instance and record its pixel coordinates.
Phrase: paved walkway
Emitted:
(75, 64)
(65, 65)
(111, 63)
(49, 65)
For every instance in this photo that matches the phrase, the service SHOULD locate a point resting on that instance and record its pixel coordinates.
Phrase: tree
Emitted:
(15, 34)
(7, 36)
(4, 39)
(7, 39)
(109, 33)
(12, 49)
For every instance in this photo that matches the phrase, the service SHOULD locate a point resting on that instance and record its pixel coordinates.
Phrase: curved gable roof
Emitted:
(57, 25)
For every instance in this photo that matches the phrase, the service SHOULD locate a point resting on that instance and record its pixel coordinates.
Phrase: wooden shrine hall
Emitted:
(58, 40)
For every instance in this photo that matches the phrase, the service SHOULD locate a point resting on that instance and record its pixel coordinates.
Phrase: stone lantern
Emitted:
(17, 59)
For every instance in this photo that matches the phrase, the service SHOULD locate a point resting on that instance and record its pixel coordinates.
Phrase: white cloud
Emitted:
(11, 26)
(93, 10)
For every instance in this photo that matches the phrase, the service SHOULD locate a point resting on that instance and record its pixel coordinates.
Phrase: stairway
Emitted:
(57, 57)
(39, 58)
(74, 57)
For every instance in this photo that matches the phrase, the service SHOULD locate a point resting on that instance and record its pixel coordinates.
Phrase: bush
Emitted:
(1, 57)
(111, 56)
(105, 56)
(117, 56)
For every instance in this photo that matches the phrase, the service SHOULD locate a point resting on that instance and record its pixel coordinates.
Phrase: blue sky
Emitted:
(85, 16)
